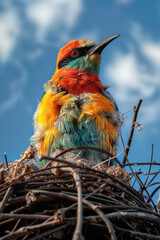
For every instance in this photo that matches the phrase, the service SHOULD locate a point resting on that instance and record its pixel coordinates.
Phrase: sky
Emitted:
(31, 34)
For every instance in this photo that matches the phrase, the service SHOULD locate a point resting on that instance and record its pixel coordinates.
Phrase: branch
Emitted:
(5, 199)
(136, 109)
(78, 230)
(149, 167)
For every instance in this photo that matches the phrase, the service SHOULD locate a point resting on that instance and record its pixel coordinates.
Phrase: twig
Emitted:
(24, 230)
(141, 163)
(149, 167)
(122, 215)
(18, 221)
(143, 187)
(78, 230)
(134, 182)
(144, 173)
(104, 218)
(136, 109)
(5, 199)
(155, 190)
(136, 235)
(51, 231)
(86, 197)
(152, 184)
(107, 160)
(153, 177)
(133, 193)
(126, 153)
(5, 155)
(23, 216)
(73, 198)
(136, 215)
(86, 147)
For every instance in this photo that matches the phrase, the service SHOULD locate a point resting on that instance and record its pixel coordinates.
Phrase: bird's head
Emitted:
(78, 62)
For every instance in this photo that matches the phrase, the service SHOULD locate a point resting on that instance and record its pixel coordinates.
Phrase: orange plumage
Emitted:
(75, 110)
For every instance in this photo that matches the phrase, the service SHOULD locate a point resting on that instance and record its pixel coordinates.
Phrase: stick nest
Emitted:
(79, 202)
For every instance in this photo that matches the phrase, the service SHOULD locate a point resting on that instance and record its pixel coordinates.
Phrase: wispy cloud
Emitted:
(44, 22)
(48, 22)
(9, 33)
(32, 56)
(136, 73)
(53, 18)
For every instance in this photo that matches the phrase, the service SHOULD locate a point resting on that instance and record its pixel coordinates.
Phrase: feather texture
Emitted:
(75, 109)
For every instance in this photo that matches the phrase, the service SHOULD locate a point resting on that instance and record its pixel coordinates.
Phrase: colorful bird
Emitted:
(76, 109)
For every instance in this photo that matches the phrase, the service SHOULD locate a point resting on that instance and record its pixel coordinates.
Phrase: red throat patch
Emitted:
(77, 82)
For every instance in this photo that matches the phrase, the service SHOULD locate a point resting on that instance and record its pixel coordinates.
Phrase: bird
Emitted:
(76, 109)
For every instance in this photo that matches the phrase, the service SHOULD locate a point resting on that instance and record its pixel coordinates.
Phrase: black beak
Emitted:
(98, 47)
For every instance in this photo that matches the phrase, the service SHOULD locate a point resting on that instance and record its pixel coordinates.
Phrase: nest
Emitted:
(79, 202)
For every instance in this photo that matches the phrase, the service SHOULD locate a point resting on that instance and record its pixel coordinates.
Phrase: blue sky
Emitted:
(31, 33)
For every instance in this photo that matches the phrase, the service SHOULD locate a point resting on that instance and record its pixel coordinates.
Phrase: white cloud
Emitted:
(52, 21)
(11, 101)
(9, 33)
(136, 74)
(129, 76)
(148, 47)
(53, 16)
(152, 52)
(42, 22)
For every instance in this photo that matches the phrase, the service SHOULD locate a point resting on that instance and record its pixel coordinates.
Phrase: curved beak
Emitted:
(98, 47)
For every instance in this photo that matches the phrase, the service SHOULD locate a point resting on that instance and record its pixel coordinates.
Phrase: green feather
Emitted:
(84, 64)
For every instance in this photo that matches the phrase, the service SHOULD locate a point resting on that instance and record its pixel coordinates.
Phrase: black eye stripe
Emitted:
(81, 52)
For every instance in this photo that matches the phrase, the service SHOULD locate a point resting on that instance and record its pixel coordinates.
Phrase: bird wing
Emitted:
(110, 97)
(45, 116)
(102, 111)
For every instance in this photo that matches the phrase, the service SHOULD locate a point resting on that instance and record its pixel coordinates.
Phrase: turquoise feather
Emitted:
(74, 133)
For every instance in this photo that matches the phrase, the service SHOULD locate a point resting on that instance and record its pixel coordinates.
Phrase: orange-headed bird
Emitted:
(76, 110)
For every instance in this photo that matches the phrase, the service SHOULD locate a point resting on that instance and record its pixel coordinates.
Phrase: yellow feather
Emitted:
(49, 107)
(48, 139)
(95, 109)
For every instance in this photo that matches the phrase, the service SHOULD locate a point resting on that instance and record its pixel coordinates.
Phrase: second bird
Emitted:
(76, 110)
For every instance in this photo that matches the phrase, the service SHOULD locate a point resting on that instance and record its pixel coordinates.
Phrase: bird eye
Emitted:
(74, 53)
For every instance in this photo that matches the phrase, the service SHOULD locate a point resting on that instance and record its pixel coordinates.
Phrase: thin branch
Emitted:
(5, 199)
(141, 163)
(24, 230)
(116, 216)
(78, 230)
(24, 216)
(18, 221)
(152, 184)
(143, 187)
(87, 147)
(136, 109)
(86, 197)
(107, 160)
(104, 218)
(5, 156)
(155, 190)
(51, 231)
(131, 191)
(138, 235)
(153, 177)
(149, 167)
